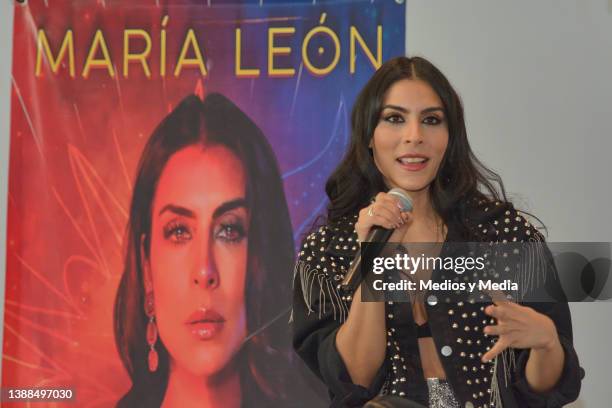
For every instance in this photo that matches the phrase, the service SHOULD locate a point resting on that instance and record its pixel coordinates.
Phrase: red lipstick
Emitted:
(205, 323)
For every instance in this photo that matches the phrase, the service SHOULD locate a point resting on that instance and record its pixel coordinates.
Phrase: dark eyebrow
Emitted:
(395, 107)
(177, 210)
(228, 206)
(223, 208)
(433, 109)
(404, 110)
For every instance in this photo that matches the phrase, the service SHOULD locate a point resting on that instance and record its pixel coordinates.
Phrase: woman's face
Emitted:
(411, 136)
(198, 258)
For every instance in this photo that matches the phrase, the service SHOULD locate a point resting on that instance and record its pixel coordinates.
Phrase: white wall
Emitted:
(534, 80)
(534, 77)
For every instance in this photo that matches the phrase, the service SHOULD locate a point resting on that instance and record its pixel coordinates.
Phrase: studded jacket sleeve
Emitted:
(319, 309)
(568, 387)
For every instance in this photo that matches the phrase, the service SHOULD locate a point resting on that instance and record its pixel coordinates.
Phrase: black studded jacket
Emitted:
(321, 305)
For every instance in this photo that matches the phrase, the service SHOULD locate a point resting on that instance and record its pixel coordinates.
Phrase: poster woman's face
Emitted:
(411, 136)
(198, 258)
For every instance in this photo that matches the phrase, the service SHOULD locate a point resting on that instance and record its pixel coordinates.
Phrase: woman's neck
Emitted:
(422, 207)
(426, 221)
(186, 390)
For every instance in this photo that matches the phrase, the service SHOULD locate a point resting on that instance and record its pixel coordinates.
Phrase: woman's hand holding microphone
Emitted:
(361, 339)
(386, 211)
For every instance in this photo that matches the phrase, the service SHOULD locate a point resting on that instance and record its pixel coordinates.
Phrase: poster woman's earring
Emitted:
(153, 358)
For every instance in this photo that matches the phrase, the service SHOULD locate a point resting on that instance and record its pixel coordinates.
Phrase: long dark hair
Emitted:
(216, 120)
(462, 180)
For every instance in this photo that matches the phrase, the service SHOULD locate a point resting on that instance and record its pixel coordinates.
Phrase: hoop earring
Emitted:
(152, 358)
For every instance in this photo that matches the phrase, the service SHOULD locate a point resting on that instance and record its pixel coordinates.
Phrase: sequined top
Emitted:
(321, 305)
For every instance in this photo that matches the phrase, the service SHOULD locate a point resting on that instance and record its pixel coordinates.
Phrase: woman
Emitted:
(408, 132)
(209, 242)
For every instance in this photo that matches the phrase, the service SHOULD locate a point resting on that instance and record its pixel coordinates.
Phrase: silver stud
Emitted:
(446, 351)
(432, 300)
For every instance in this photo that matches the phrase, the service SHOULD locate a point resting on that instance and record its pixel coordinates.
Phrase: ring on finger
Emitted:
(371, 211)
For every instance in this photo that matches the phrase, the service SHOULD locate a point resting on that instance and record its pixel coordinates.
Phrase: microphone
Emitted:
(377, 234)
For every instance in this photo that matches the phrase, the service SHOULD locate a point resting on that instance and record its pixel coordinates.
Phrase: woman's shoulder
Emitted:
(323, 260)
(334, 237)
(500, 221)
(328, 250)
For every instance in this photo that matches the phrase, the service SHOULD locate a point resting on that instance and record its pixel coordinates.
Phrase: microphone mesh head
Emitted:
(403, 198)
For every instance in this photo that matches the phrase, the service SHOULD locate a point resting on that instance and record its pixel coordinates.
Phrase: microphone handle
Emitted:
(354, 277)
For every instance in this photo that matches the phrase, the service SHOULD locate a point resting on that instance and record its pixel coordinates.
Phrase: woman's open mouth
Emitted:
(413, 162)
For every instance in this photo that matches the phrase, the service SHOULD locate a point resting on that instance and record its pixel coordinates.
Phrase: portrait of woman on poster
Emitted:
(209, 251)
(408, 132)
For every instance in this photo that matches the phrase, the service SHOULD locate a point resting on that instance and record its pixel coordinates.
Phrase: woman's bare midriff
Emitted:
(430, 359)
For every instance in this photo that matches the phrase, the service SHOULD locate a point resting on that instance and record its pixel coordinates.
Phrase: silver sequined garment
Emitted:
(440, 394)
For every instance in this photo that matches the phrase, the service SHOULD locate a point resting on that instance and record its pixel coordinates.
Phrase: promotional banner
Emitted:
(165, 159)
